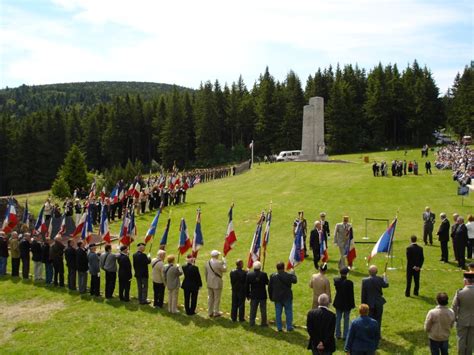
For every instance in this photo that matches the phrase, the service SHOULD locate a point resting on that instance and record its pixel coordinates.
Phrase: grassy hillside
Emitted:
(38, 312)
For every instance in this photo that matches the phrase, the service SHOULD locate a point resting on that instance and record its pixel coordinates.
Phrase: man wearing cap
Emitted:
(320, 284)
(124, 274)
(343, 301)
(191, 284)
(320, 325)
(213, 271)
(279, 291)
(82, 267)
(237, 281)
(108, 263)
(157, 265)
(463, 307)
(415, 259)
(341, 239)
(94, 270)
(443, 236)
(256, 290)
(325, 225)
(140, 265)
(71, 263)
(372, 293)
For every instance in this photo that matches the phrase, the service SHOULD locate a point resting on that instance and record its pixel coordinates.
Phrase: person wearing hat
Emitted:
(320, 284)
(237, 281)
(463, 307)
(82, 267)
(343, 301)
(438, 324)
(325, 225)
(94, 270)
(157, 265)
(256, 290)
(124, 274)
(341, 239)
(171, 274)
(213, 272)
(191, 284)
(320, 325)
(140, 265)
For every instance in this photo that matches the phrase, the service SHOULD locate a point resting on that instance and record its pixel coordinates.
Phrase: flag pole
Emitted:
(153, 239)
(265, 246)
(390, 247)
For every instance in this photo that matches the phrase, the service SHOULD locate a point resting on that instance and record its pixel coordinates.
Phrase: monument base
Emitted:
(323, 157)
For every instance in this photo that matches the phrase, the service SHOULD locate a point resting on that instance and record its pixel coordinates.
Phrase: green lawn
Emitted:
(36, 318)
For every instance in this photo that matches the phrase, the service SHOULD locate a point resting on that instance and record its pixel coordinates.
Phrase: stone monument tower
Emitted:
(312, 145)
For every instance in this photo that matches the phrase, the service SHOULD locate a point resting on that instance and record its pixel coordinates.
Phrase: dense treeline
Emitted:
(214, 124)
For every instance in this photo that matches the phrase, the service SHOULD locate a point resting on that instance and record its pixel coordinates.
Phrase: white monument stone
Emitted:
(312, 145)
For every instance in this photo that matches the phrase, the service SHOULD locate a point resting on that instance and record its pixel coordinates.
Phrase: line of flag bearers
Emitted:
(323, 325)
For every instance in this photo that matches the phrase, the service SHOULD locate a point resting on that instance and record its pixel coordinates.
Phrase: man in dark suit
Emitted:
(343, 302)
(372, 293)
(25, 248)
(124, 274)
(237, 280)
(314, 243)
(191, 284)
(415, 259)
(325, 225)
(70, 255)
(82, 264)
(256, 290)
(428, 224)
(454, 227)
(461, 238)
(140, 265)
(320, 324)
(443, 236)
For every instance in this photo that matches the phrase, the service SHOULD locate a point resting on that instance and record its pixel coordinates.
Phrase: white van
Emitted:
(288, 155)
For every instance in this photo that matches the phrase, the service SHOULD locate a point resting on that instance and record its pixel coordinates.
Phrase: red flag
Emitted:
(230, 237)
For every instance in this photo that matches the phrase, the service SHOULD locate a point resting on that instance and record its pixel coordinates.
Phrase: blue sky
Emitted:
(187, 42)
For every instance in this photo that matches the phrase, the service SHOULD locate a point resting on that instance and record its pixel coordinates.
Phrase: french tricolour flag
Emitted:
(254, 254)
(152, 230)
(40, 225)
(184, 241)
(297, 250)
(87, 228)
(198, 239)
(350, 249)
(230, 237)
(80, 224)
(104, 225)
(384, 243)
(323, 247)
(114, 195)
(11, 219)
(164, 238)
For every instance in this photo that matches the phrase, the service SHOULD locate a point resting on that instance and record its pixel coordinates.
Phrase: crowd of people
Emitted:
(460, 159)
(167, 276)
(399, 168)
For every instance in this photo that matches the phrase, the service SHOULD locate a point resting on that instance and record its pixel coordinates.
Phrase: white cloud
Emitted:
(191, 41)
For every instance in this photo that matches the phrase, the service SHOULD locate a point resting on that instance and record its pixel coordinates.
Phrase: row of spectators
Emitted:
(460, 159)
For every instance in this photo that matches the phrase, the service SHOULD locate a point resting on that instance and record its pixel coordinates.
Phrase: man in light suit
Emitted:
(463, 307)
(428, 224)
(372, 293)
(415, 259)
(213, 271)
(341, 238)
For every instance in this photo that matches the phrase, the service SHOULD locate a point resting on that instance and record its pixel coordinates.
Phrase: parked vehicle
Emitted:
(288, 155)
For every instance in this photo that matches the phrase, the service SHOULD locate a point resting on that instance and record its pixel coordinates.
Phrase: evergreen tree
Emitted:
(74, 169)
(461, 109)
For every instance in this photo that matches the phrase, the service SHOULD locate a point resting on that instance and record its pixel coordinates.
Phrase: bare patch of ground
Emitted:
(32, 311)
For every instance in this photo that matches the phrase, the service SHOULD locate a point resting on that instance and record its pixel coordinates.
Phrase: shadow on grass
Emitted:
(417, 339)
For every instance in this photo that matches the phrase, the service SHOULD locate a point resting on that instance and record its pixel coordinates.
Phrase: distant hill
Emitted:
(25, 99)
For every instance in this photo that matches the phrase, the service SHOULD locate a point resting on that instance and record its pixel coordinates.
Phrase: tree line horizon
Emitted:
(116, 122)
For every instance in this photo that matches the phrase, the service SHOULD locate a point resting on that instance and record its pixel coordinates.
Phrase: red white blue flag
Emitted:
(40, 225)
(11, 219)
(254, 254)
(384, 244)
(230, 237)
(104, 225)
(184, 241)
(198, 239)
(164, 238)
(152, 230)
(297, 250)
